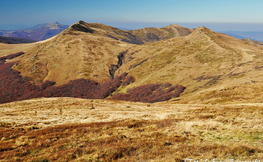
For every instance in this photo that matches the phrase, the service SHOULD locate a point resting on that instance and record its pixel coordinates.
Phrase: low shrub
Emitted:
(151, 93)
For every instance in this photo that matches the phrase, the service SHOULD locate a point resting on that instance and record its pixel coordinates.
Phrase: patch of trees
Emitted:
(14, 87)
(13, 40)
(151, 93)
(2, 59)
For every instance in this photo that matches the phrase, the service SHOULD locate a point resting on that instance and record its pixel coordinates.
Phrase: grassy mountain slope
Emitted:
(203, 61)
(84, 50)
(74, 53)
(114, 33)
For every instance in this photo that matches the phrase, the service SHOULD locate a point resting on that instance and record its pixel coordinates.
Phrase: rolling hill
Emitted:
(201, 60)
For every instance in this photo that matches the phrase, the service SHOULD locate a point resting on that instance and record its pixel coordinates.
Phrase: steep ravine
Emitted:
(114, 68)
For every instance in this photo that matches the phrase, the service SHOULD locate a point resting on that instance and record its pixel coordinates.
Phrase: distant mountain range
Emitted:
(37, 33)
(47, 30)
(140, 36)
(258, 36)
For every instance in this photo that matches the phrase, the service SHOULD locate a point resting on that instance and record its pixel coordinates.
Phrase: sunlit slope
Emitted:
(202, 60)
(84, 50)
(75, 53)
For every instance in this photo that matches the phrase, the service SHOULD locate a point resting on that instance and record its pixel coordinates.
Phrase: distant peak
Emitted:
(203, 32)
(174, 25)
(204, 29)
(53, 25)
(201, 28)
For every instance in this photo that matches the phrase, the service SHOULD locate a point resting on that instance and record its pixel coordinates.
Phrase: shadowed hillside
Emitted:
(13, 40)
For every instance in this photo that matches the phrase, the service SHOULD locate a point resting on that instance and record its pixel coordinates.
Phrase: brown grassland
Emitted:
(68, 129)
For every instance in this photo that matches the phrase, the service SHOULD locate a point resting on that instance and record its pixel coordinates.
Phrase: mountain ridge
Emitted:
(139, 36)
(201, 61)
(152, 34)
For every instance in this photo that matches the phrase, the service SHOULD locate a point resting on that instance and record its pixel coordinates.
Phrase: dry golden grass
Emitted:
(7, 49)
(248, 92)
(67, 129)
(203, 60)
(69, 55)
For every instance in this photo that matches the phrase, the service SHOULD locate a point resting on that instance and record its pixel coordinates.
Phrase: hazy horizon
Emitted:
(224, 15)
(242, 27)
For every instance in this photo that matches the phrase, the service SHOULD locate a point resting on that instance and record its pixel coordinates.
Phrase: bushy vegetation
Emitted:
(2, 59)
(151, 93)
(14, 87)
(137, 140)
(13, 40)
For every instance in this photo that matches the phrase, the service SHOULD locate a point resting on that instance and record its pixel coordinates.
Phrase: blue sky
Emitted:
(246, 15)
